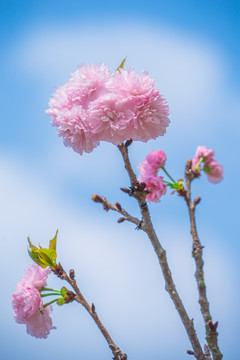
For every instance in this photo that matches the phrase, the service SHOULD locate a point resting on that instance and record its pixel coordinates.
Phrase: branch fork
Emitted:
(211, 351)
(137, 190)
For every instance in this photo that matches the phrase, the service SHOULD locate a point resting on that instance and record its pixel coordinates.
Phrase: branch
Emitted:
(61, 273)
(147, 226)
(117, 207)
(211, 333)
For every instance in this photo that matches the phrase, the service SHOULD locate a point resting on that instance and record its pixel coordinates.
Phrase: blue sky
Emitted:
(192, 49)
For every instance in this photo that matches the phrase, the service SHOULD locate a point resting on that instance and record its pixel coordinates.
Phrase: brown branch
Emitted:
(207, 352)
(147, 226)
(60, 272)
(211, 333)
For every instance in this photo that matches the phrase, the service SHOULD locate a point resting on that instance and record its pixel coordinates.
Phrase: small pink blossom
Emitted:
(157, 187)
(156, 159)
(202, 153)
(151, 164)
(214, 171)
(40, 324)
(204, 160)
(148, 174)
(27, 302)
(146, 170)
(36, 275)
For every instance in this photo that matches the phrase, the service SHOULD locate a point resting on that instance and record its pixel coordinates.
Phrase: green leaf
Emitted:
(33, 253)
(53, 242)
(121, 65)
(47, 256)
(42, 256)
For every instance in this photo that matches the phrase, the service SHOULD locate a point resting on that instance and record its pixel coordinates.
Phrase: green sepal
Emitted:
(177, 185)
(61, 301)
(63, 292)
(198, 166)
(207, 169)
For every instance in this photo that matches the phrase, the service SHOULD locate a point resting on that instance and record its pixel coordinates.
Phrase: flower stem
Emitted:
(49, 294)
(50, 289)
(168, 175)
(51, 302)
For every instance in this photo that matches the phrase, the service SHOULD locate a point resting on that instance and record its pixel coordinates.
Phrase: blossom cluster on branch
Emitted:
(118, 107)
(149, 175)
(204, 160)
(28, 304)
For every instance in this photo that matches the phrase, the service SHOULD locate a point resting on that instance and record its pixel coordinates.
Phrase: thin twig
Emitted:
(118, 208)
(60, 272)
(211, 333)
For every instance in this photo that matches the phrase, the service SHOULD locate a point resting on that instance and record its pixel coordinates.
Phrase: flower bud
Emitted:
(96, 198)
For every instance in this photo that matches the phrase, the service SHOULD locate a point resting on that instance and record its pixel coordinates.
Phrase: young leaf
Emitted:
(53, 242)
(121, 65)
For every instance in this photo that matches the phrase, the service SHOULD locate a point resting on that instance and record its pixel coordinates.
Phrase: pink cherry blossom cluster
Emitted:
(27, 302)
(98, 105)
(203, 160)
(148, 174)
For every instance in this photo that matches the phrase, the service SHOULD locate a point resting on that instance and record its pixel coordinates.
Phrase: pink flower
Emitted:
(40, 324)
(156, 159)
(110, 119)
(27, 302)
(157, 187)
(151, 164)
(87, 83)
(146, 170)
(36, 275)
(204, 160)
(70, 103)
(74, 128)
(149, 109)
(96, 105)
(214, 171)
(148, 174)
(202, 153)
